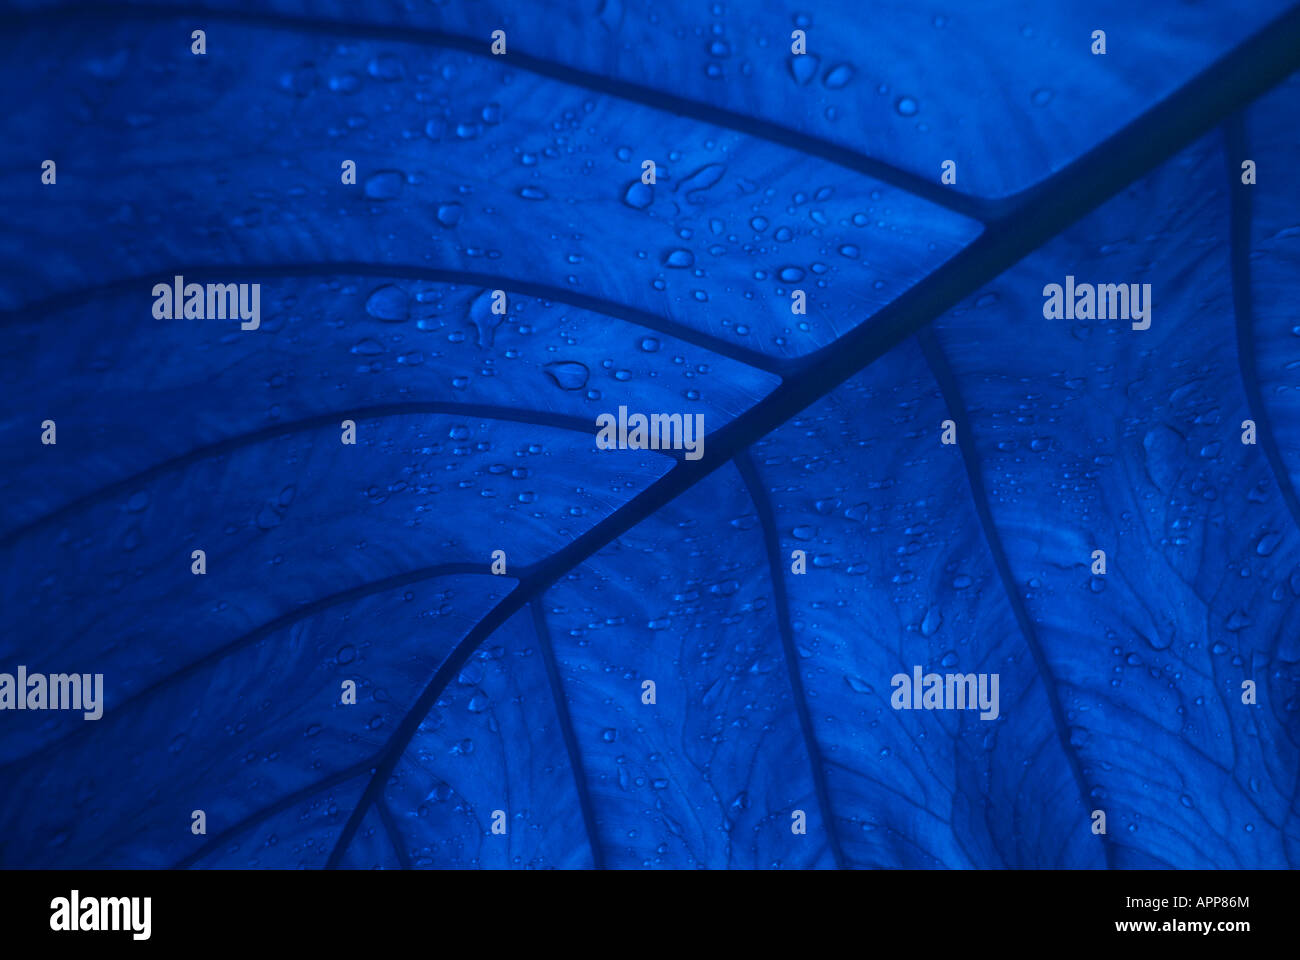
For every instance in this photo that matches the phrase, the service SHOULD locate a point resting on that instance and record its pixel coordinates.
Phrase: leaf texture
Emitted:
(501, 720)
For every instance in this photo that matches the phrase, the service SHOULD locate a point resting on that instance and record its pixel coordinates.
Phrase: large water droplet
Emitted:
(838, 76)
(803, 67)
(1267, 544)
(678, 258)
(568, 374)
(484, 320)
(907, 106)
(384, 185)
(638, 195)
(702, 179)
(389, 304)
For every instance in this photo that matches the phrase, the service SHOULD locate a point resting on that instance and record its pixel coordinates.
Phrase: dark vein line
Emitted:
(1241, 207)
(928, 189)
(279, 806)
(1241, 212)
(386, 760)
(282, 622)
(1264, 60)
(776, 565)
(229, 272)
(394, 835)
(537, 418)
(570, 737)
(951, 391)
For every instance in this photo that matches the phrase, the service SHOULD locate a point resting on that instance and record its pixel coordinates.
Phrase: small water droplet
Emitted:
(858, 685)
(386, 67)
(907, 106)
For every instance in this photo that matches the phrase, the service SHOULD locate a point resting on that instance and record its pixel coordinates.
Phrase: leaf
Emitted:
(518, 699)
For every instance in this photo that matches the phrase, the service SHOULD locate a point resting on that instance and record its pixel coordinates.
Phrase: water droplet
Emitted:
(389, 303)
(1267, 544)
(345, 83)
(568, 374)
(791, 274)
(702, 179)
(384, 185)
(484, 320)
(933, 620)
(268, 518)
(479, 702)
(638, 195)
(649, 345)
(803, 67)
(678, 258)
(858, 685)
(386, 67)
(1042, 98)
(449, 214)
(532, 193)
(907, 106)
(838, 76)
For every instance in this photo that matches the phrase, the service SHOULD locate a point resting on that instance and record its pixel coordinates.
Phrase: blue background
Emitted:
(522, 693)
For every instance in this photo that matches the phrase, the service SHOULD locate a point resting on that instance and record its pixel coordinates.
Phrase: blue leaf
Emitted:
(653, 680)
